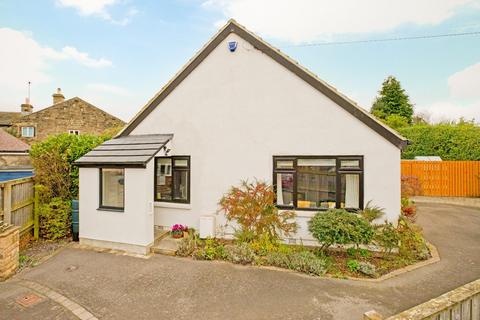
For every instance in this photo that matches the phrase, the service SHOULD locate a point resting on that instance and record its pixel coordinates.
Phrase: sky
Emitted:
(116, 54)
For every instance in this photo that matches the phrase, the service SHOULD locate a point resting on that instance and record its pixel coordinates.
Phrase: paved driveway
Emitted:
(121, 287)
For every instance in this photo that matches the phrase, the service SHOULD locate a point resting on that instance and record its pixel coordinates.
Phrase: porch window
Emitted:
(318, 182)
(112, 188)
(172, 179)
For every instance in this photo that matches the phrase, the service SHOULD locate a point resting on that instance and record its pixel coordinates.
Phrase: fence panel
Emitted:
(443, 178)
(16, 203)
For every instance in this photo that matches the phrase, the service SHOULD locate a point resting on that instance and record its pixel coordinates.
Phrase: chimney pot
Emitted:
(58, 96)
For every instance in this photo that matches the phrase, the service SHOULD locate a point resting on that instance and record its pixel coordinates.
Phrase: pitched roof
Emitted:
(6, 118)
(130, 151)
(66, 102)
(233, 27)
(9, 143)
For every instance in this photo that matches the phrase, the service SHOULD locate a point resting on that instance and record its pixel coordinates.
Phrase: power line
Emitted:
(432, 36)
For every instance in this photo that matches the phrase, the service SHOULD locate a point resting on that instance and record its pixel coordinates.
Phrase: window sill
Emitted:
(110, 209)
(173, 205)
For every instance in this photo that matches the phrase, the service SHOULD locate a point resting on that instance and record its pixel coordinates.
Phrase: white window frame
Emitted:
(25, 132)
(73, 131)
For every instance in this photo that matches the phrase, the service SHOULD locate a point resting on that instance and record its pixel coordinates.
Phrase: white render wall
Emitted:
(131, 230)
(236, 110)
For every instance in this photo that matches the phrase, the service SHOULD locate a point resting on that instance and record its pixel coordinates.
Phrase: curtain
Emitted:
(279, 189)
(352, 191)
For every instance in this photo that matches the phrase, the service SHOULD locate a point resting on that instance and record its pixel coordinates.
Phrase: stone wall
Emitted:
(9, 246)
(12, 160)
(71, 114)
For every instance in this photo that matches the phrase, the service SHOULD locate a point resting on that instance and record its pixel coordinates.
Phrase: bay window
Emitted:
(318, 182)
(172, 179)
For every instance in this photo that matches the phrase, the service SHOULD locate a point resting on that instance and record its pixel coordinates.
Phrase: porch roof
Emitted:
(129, 151)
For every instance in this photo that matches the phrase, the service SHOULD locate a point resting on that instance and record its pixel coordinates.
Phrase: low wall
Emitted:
(9, 246)
(462, 303)
(460, 201)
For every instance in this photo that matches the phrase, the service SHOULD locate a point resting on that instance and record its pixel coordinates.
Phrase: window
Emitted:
(172, 179)
(28, 132)
(112, 188)
(74, 132)
(318, 182)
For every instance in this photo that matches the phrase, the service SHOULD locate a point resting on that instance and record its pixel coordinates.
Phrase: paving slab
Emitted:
(121, 287)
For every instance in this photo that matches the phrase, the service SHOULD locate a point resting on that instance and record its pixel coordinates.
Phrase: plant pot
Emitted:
(177, 235)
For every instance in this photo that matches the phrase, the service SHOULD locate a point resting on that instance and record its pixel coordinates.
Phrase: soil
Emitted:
(37, 251)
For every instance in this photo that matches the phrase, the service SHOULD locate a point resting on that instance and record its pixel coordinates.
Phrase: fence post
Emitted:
(36, 209)
(7, 203)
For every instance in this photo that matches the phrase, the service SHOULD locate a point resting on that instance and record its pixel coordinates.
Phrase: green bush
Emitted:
(412, 244)
(55, 219)
(387, 237)
(338, 226)
(450, 141)
(53, 160)
(353, 265)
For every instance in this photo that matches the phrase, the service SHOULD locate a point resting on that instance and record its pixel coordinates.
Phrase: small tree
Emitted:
(252, 206)
(392, 100)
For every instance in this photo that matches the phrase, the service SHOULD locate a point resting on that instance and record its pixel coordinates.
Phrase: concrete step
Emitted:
(166, 245)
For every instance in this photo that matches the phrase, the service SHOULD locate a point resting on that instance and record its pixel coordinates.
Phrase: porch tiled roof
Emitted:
(129, 151)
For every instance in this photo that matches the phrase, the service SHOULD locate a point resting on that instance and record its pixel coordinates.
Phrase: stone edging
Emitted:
(79, 311)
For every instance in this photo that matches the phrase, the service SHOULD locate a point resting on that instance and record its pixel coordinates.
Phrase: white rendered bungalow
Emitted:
(239, 109)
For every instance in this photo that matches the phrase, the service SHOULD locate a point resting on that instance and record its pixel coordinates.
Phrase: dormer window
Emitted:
(28, 132)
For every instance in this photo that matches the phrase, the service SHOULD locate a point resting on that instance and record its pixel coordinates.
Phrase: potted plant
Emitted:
(178, 231)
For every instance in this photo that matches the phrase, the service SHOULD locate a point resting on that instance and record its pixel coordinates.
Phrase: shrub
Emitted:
(409, 209)
(240, 253)
(187, 245)
(208, 251)
(354, 252)
(353, 265)
(371, 213)
(53, 160)
(303, 261)
(410, 186)
(55, 219)
(367, 268)
(412, 244)
(264, 245)
(252, 207)
(337, 226)
(387, 237)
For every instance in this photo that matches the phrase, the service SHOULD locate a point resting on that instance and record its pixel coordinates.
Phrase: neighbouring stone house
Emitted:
(74, 116)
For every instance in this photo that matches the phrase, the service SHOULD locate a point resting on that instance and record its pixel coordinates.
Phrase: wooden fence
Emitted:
(17, 203)
(442, 178)
(462, 303)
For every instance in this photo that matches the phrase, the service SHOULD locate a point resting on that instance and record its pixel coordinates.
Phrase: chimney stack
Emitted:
(26, 107)
(58, 96)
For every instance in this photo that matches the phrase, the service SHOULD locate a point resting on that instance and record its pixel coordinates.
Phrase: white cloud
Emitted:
(108, 88)
(99, 8)
(465, 83)
(310, 20)
(23, 59)
(464, 100)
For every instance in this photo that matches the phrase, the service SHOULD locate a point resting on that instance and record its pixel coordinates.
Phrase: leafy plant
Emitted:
(353, 265)
(264, 245)
(208, 251)
(240, 253)
(187, 245)
(371, 213)
(303, 261)
(409, 209)
(412, 244)
(338, 226)
(410, 186)
(55, 219)
(53, 161)
(387, 236)
(252, 207)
